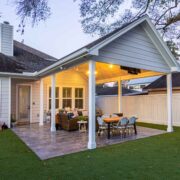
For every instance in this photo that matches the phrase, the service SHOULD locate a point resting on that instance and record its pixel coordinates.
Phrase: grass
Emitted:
(156, 157)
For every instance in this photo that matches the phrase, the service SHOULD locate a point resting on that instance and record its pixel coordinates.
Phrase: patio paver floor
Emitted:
(46, 144)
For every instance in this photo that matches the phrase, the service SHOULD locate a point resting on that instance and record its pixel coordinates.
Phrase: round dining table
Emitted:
(109, 121)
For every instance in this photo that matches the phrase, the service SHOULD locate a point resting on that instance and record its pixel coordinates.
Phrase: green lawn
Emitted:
(156, 157)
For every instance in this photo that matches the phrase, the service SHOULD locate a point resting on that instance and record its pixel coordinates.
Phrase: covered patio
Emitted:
(135, 51)
(48, 145)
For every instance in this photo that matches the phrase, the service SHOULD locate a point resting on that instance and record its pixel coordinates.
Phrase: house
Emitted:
(113, 91)
(32, 82)
(159, 86)
(139, 84)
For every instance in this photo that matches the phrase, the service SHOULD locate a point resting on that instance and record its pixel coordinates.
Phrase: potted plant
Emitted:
(82, 118)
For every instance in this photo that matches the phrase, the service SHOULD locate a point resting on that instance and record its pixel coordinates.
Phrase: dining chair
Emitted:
(131, 126)
(102, 125)
(121, 126)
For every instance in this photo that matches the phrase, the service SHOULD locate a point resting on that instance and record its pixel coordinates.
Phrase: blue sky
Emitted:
(59, 35)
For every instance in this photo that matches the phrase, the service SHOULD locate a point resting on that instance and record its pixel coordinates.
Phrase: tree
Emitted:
(174, 49)
(35, 10)
(104, 16)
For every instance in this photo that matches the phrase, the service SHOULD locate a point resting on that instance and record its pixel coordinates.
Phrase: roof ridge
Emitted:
(36, 52)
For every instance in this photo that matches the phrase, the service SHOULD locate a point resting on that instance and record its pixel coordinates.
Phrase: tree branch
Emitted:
(169, 9)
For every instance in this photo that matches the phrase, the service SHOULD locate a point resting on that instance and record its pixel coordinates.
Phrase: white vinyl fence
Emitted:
(148, 108)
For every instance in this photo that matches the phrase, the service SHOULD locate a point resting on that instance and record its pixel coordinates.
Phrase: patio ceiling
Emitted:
(110, 72)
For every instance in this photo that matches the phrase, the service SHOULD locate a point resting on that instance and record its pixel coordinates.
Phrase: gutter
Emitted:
(64, 60)
(24, 74)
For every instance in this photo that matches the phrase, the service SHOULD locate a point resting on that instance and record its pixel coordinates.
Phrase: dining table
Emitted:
(109, 121)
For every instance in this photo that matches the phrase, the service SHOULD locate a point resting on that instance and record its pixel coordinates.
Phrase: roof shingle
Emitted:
(161, 82)
(25, 59)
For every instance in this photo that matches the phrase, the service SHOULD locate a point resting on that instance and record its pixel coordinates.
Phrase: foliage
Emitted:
(173, 48)
(82, 118)
(104, 16)
(149, 158)
(35, 10)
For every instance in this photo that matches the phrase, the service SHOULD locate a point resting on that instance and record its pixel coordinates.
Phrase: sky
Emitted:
(58, 36)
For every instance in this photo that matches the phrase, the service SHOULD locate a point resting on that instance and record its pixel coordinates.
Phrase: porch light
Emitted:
(94, 72)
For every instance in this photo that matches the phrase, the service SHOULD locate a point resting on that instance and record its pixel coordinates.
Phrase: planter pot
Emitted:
(13, 124)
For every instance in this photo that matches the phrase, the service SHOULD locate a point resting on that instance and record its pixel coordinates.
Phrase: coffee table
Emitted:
(82, 126)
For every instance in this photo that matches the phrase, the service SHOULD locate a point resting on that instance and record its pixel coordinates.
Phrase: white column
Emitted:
(169, 103)
(92, 122)
(119, 96)
(53, 107)
(41, 114)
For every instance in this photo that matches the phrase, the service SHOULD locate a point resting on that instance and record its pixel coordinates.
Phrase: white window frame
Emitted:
(55, 97)
(72, 103)
(78, 97)
(73, 95)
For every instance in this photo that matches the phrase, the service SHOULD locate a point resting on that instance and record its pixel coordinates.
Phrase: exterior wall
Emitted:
(5, 100)
(69, 78)
(34, 112)
(148, 108)
(134, 49)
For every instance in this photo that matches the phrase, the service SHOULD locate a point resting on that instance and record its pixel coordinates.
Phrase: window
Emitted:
(79, 98)
(56, 97)
(67, 97)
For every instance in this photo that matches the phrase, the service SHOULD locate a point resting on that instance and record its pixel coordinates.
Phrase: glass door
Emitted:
(24, 103)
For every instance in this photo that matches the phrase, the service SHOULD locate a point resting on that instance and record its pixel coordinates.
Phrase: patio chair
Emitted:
(114, 115)
(102, 125)
(121, 126)
(131, 126)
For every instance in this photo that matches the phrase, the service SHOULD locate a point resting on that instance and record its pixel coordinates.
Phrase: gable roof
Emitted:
(92, 49)
(47, 67)
(161, 82)
(25, 59)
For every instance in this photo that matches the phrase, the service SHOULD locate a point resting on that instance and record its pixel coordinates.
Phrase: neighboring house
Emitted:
(139, 84)
(159, 86)
(32, 82)
(113, 91)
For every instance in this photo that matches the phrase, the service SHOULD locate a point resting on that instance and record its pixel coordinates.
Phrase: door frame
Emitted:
(17, 100)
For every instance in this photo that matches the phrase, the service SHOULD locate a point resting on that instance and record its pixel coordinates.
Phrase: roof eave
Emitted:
(70, 58)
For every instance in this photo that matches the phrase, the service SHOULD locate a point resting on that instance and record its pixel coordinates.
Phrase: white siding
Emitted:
(63, 79)
(34, 98)
(68, 78)
(148, 108)
(35, 101)
(133, 49)
(4, 100)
